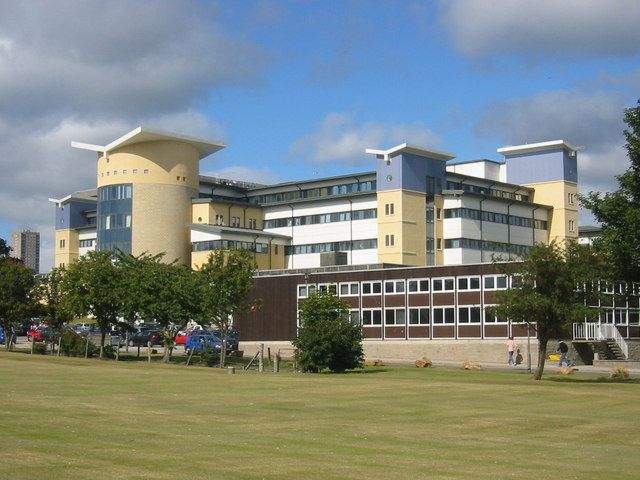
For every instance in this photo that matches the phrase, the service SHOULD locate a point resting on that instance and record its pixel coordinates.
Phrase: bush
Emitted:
(209, 357)
(73, 345)
(327, 338)
(40, 348)
(619, 373)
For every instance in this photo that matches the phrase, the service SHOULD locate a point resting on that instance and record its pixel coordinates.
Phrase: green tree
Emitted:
(553, 284)
(51, 296)
(619, 211)
(92, 289)
(17, 284)
(152, 290)
(223, 284)
(327, 337)
(5, 249)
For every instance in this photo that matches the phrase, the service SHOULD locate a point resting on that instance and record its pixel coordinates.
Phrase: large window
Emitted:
(418, 316)
(394, 286)
(469, 314)
(468, 283)
(371, 317)
(420, 285)
(394, 316)
(350, 289)
(444, 315)
(331, 247)
(114, 219)
(443, 284)
(371, 288)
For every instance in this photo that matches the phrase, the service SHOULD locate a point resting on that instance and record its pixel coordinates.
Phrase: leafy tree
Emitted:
(17, 284)
(52, 300)
(554, 282)
(619, 212)
(5, 249)
(91, 285)
(327, 337)
(223, 284)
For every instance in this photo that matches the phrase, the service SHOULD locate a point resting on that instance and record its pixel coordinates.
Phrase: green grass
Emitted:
(68, 418)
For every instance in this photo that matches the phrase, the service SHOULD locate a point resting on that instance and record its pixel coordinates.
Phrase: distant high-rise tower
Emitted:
(26, 247)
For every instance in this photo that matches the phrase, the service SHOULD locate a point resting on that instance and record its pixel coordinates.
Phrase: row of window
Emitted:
(324, 218)
(115, 192)
(417, 285)
(116, 220)
(231, 245)
(331, 247)
(135, 172)
(87, 243)
(342, 189)
(521, 197)
(487, 245)
(495, 217)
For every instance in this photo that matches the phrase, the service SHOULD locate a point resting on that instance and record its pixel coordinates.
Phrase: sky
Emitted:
(299, 89)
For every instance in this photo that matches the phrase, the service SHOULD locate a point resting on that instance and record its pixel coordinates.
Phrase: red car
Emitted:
(182, 336)
(39, 334)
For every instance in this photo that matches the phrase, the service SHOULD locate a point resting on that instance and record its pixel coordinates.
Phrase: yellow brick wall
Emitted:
(564, 214)
(68, 253)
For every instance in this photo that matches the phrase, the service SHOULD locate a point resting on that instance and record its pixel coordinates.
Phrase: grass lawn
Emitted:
(66, 418)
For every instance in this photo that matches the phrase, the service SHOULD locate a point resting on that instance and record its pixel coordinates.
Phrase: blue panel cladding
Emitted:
(538, 167)
(409, 172)
(71, 214)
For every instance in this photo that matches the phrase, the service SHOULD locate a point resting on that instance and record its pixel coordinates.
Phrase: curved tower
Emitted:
(146, 180)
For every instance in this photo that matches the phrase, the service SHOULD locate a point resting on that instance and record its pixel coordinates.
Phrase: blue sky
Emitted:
(298, 89)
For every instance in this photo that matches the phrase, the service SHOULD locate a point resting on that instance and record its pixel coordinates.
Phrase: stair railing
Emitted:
(610, 331)
(597, 331)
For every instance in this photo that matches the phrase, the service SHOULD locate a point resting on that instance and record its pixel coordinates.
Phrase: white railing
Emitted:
(597, 331)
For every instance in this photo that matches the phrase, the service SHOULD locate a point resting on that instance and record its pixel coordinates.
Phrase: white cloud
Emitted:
(93, 71)
(341, 139)
(567, 28)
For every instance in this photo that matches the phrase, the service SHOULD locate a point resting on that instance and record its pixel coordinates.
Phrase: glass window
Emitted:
(418, 316)
(418, 285)
(394, 316)
(371, 317)
(442, 315)
(371, 288)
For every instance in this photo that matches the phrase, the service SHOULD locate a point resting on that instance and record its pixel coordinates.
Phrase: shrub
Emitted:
(40, 348)
(73, 345)
(209, 357)
(327, 338)
(619, 373)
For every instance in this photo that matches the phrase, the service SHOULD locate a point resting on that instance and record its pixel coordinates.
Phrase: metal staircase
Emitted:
(605, 338)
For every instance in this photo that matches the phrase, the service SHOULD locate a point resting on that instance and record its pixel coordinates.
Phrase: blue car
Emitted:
(201, 339)
(2, 339)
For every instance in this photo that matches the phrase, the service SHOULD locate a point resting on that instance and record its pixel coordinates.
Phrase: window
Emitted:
(572, 198)
(394, 286)
(63, 243)
(418, 285)
(86, 243)
(490, 317)
(252, 223)
(444, 315)
(371, 317)
(469, 314)
(443, 284)
(418, 316)
(349, 289)
(124, 172)
(495, 282)
(328, 287)
(389, 240)
(468, 283)
(302, 291)
(439, 213)
(219, 219)
(135, 171)
(394, 316)
(439, 244)
(354, 316)
(371, 288)
(115, 172)
(572, 226)
(388, 208)
(276, 249)
(146, 171)
(235, 221)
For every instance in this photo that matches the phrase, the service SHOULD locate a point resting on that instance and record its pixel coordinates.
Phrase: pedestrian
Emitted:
(564, 350)
(511, 348)
(518, 357)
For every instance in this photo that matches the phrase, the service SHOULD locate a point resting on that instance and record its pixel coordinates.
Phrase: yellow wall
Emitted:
(206, 213)
(66, 255)
(407, 224)
(264, 261)
(556, 194)
(167, 162)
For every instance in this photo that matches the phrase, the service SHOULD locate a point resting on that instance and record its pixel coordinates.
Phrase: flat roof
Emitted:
(537, 147)
(144, 134)
(413, 149)
(219, 229)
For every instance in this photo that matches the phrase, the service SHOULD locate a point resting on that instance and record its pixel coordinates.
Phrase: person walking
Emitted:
(511, 348)
(564, 350)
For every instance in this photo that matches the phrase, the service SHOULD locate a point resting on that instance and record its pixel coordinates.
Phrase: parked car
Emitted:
(233, 339)
(201, 339)
(2, 337)
(182, 335)
(143, 335)
(40, 333)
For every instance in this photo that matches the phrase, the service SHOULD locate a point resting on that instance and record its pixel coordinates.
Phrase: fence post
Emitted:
(118, 351)
(33, 344)
(276, 363)
(86, 348)
(261, 359)
(59, 344)
(149, 352)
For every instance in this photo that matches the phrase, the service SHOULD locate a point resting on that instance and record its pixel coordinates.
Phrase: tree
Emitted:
(16, 294)
(327, 337)
(223, 284)
(91, 286)
(619, 212)
(51, 295)
(5, 249)
(153, 290)
(553, 283)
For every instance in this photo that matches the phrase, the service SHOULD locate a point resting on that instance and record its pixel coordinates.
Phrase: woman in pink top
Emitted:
(511, 348)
